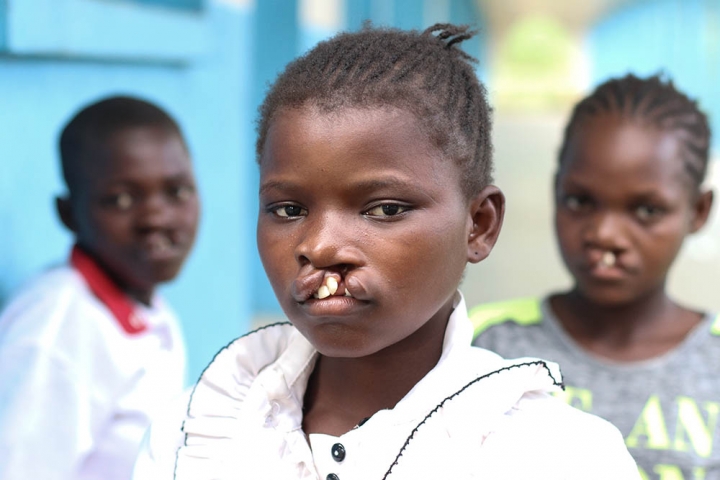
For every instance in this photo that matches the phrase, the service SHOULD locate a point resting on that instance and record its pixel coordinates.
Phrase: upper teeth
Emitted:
(329, 287)
(160, 243)
(332, 285)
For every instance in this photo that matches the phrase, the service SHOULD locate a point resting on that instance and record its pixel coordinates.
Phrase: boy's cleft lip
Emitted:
(162, 246)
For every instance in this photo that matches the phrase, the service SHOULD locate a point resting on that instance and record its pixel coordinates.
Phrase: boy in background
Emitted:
(88, 350)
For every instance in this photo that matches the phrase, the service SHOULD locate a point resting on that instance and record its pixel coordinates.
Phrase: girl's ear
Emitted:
(487, 210)
(702, 207)
(65, 212)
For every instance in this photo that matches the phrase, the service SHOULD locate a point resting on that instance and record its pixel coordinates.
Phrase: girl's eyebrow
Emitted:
(652, 196)
(382, 183)
(569, 181)
(644, 193)
(275, 185)
(368, 185)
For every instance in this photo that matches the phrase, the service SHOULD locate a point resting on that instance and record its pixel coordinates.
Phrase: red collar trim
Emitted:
(107, 292)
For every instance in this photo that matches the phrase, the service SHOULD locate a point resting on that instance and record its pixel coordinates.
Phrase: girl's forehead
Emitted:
(348, 131)
(638, 179)
(612, 143)
(612, 151)
(325, 117)
(352, 145)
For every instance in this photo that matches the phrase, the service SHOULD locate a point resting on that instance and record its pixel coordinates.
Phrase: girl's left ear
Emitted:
(487, 210)
(703, 205)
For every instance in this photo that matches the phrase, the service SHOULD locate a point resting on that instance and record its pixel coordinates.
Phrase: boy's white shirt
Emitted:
(76, 391)
(244, 421)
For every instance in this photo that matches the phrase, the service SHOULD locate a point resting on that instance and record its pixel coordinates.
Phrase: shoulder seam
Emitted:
(539, 363)
(715, 327)
(265, 327)
(522, 311)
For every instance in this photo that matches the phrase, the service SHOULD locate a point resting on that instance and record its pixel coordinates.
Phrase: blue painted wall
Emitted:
(186, 4)
(679, 37)
(207, 63)
(3, 10)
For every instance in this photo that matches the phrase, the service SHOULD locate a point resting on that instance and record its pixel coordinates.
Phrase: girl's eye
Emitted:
(576, 203)
(289, 211)
(387, 210)
(648, 213)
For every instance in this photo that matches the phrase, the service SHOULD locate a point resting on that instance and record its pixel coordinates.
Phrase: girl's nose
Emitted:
(326, 242)
(605, 231)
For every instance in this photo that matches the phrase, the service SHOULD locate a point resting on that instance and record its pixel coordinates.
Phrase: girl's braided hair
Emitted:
(424, 73)
(657, 102)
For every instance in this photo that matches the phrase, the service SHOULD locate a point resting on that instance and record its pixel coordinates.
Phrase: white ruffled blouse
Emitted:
(475, 415)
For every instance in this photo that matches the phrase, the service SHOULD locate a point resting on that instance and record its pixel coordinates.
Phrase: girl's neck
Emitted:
(639, 330)
(342, 392)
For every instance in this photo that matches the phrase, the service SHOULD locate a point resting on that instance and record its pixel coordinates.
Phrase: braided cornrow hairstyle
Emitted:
(424, 73)
(656, 101)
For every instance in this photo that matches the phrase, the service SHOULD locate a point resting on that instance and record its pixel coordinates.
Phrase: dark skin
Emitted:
(361, 195)
(341, 392)
(135, 209)
(623, 193)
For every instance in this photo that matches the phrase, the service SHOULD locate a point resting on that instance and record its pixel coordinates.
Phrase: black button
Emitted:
(332, 476)
(338, 453)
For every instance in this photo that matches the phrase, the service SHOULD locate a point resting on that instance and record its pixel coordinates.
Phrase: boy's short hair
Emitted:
(424, 73)
(84, 136)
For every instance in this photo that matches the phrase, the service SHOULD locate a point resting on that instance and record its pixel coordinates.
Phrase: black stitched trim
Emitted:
(182, 427)
(447, 399)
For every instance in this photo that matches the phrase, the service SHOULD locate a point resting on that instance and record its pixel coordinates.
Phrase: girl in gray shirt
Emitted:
(627, 193)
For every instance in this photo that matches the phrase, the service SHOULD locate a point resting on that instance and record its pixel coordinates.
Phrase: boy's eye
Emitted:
(181, 193)
(289, 211)
(648, 213)
(121, 201)
(387, 210)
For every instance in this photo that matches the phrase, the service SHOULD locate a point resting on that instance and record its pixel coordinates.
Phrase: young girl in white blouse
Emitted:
(375, 192)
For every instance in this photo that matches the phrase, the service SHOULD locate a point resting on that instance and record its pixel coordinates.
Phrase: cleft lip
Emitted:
(318, 285)
(615, 269)
(305, 286)
(161, 246)
(603, 258)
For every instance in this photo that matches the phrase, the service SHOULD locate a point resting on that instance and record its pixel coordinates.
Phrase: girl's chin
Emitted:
(607, 297)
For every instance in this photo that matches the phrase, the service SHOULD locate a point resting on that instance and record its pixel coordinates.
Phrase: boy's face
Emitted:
(624, 204)
(361, 196)
(137, 212)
